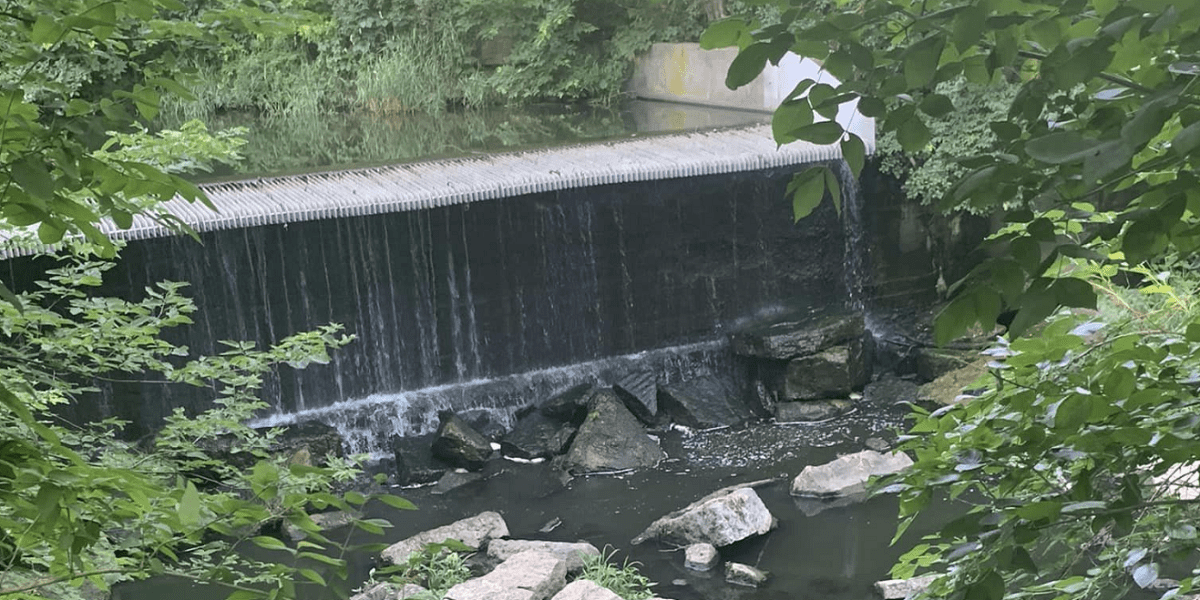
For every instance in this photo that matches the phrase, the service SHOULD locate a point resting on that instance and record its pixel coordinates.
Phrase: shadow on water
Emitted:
(279, 145)
(835, 554)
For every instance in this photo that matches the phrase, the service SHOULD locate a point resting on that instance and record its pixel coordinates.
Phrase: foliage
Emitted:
(429, 54)
(81, 505)
(1092, 164)
(929, 173)
(437, 567)
(623, 580)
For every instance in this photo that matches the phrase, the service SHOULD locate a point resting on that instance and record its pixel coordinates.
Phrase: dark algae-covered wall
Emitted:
(486, 289)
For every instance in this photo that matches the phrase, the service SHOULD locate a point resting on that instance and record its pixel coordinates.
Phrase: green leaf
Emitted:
(51, 231)
(954, 320)
(989, 587)
(313, 576)
(970, 23)
(1146, 574)
(1072, 413)
(1035, 307)
(32, 175)
(269, 543)
(936, 105)
(854, 153)
(1187, 140)
(1061, 147)
(835, 190)
(8, 296)
(789, 117)
(806, 190)
(913, 135)
(823, 133)
(46, 30)
(921, 61)
(189, 506)
(1193, 332)
(748, 64)
(726, 32)
(396, 502)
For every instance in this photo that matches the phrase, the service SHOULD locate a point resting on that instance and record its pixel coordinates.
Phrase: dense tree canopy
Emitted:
(1078, 465)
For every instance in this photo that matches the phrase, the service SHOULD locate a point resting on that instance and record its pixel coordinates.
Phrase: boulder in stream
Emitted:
(639, 392)
(897, 589)
(537, 436)
(570, 406)
(703, 403)
(847, 475)
(415, 463)
(802, 411)
(458, 444)
(831, 373)
(583, 589)
(742, 574)
(611, 439)
(798, 335)
(701, 557)
(571, 552)
(720, 519)
(471, 531)
(529, 575)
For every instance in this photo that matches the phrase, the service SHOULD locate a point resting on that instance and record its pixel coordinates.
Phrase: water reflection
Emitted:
(293, 144)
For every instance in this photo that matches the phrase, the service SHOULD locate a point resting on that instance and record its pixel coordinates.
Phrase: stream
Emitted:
(835, 554)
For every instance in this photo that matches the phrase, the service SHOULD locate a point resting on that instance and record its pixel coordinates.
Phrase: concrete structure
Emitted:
(438, 183)
(690, 74)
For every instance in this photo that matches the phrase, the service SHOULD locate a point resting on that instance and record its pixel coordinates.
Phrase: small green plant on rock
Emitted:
(437, 567)
(623, 580)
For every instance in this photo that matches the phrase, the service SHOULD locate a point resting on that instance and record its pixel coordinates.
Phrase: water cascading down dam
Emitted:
(487, 283)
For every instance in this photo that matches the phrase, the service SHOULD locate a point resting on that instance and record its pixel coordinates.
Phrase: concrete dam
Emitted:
(484, 284)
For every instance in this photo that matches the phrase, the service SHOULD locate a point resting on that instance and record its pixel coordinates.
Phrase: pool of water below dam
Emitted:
(835, 554)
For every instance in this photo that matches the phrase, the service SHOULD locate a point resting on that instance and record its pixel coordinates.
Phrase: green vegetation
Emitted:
(437, 568)
(79, 507)
(623, 580)
(427, 55)
(1077, 467)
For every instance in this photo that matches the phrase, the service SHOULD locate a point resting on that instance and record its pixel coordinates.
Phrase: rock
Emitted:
(639, 392)
(740, 574)
(701, 557)
(810, 410)
(611, 439)
(583, 589)
(848, 475)
(895, 589)
(380, 591)
(458, 444)
(877, 444)
(470, 531)
(703, 403)
(453, 480)
(415, 464)
(830, 373)
(324, 521)
(719, 519)
(484, 421)
(318, 439)
(890, 389)
(798, 335)
(570, 552)
(948, 388)
(570, 406)
(935, 362)
(390, 591)
(530, 575)
(537, 436)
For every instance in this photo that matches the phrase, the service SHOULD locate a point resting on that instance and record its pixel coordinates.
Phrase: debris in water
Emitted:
(551, 525)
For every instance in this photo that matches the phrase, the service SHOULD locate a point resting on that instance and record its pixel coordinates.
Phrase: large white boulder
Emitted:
(719, 519)
(471, 531)
(848, 475)
(582, 589)
(571, 552)
(530, 575)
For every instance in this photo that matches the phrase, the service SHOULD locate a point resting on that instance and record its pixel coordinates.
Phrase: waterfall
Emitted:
(446, 298)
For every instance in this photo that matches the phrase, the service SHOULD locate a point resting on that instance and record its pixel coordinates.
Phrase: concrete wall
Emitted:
(687, 73)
